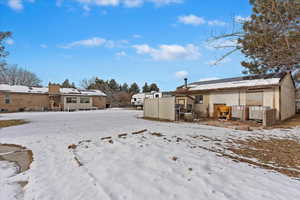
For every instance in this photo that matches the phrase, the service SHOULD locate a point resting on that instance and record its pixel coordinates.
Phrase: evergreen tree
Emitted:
(146, 88)
(67, 84)
(270, 38)
(154, 87)
(101, 85)
(134, 88)
(3, 52)
(124, 87)
(73, 85)
(113, 85)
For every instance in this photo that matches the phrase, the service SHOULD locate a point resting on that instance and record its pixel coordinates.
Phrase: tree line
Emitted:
(118, 94)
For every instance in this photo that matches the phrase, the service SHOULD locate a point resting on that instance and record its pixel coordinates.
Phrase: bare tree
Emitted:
(14, 75)
(86, 83)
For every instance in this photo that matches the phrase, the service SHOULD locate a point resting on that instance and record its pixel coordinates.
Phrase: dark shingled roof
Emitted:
(241, 78)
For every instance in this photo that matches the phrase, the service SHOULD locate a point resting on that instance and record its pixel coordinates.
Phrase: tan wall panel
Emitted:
(229, 98)
(151, 108)
(160, 108)
(288, 98)
(167, 108)
(202, 109)
(34, 102)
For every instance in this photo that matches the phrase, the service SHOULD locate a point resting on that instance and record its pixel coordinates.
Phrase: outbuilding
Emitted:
(273, 91)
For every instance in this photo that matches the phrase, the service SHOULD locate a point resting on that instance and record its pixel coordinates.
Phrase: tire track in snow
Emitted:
(94, 180)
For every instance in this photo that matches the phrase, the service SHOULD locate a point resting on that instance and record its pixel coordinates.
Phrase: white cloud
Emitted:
(169, 52)
(216, 23)
(9, 41)
(44, 46)
(95, 42)
(86, 8)
(15, 4)
(126, 3)
(121, 53)
(164, 2)
(240, 19)
(133, 3)
(181, 74)
(92, 42)
(137, 36)
(191, 20)
(209, 79)
(116, 44)
(196, 21)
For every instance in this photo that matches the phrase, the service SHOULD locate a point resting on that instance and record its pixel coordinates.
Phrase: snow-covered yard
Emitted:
(162, 162)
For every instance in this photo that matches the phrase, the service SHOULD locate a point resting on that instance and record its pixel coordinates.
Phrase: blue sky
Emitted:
(139, 41)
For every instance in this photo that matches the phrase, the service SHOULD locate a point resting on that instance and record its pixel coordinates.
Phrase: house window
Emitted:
(71, 100)
(181, 101)
(199, 99)
(84, 100)
(7, 99)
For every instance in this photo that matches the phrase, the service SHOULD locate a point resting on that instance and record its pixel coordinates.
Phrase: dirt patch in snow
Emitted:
(15, 122)
(14, 153)
(290, 123)
(282, 154)
(272, 153)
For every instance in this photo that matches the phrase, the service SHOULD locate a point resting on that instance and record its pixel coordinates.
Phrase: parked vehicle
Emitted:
(138, 99)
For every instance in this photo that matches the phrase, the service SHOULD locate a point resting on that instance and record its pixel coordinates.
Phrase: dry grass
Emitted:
(282, 155)
(232, 124)
(7, 123)
(277, 154)
(139, 132)
(290, 123)
(157, 134)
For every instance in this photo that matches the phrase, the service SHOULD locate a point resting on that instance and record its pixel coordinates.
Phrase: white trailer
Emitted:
(138, 99)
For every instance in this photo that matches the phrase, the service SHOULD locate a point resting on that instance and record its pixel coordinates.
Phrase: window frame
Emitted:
(7, 99)
(199, 101)
(72, 100)
(85, 102)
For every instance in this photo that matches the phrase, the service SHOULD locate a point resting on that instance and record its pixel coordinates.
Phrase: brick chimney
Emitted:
(53, 89)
